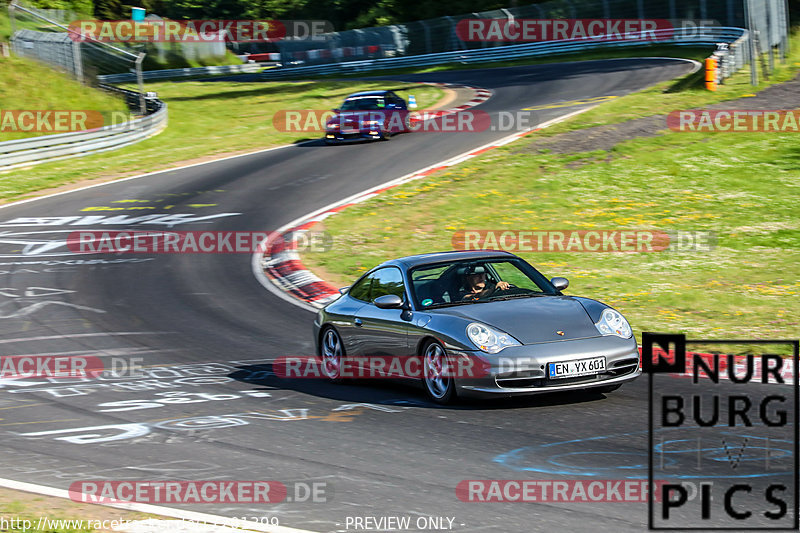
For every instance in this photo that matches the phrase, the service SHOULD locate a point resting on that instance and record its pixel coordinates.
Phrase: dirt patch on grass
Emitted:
(606, 137)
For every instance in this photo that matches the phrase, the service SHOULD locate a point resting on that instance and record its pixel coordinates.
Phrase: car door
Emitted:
(384, 332)
(345, 318)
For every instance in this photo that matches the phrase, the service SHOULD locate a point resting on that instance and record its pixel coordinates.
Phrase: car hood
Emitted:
(531, 320)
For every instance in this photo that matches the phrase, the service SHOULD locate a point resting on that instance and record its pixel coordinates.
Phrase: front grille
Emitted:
(621, 368)
(617, 369)
(520, 378)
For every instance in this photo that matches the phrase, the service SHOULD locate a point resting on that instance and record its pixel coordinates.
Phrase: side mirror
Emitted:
(560, 283)
(388, 301)
(344, 290)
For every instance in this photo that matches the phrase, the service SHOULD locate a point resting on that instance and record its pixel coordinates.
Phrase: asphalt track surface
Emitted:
(203, 324)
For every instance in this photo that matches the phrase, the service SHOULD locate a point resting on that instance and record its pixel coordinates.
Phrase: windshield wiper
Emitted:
(515, 296)
(451, 304)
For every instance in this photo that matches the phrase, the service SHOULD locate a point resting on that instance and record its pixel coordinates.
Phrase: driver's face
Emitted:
(477, 281)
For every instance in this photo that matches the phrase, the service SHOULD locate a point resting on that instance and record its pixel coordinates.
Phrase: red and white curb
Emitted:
(279, 269)
(479, 96)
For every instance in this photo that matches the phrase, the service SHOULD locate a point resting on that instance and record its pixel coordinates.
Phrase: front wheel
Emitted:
(438, 374)
(332, 354)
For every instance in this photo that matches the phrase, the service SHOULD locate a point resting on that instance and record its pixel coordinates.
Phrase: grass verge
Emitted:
(205, 120)
(744, 187)
(57, 515)
(27, 84)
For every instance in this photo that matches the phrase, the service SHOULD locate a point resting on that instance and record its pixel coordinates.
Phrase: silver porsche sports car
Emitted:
(473, 323)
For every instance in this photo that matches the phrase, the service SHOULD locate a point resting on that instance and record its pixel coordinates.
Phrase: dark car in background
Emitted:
(518, 334)
(368, 116)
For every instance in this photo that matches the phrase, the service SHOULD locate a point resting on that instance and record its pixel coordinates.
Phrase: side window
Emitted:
(360, 291)
(387, 281)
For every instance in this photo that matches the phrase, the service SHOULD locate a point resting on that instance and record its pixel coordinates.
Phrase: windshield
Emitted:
(364, 103)
(470, 282)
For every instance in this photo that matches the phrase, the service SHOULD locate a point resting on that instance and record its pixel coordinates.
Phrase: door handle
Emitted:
(358, 322)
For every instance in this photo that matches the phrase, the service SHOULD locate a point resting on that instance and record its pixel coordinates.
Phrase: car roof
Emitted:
(369, 93)
(413, 261)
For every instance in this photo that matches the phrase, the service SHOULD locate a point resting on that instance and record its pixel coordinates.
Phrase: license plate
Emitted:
(350, 130)
(577, 368)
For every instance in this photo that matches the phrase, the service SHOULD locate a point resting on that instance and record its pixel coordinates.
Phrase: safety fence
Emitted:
(766, 20)
(697, 36)
(177, 73)
(38, 36)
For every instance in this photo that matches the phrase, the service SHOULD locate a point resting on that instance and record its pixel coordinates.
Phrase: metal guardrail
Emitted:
(25, 152)
(176, 73)
(700, 36)
(51, 147)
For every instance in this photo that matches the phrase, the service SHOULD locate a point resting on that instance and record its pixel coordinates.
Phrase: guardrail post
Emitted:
(751, 43)
(140, 83)
(786, 30)
(76, 56)
(12, 16)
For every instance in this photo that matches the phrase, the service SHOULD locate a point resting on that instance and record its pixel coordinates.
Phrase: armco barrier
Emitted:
(26, 152)
(176, 73)
(50, 147)
(700, 36)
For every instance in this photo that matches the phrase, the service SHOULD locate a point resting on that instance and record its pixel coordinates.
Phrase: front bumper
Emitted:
(519, 370)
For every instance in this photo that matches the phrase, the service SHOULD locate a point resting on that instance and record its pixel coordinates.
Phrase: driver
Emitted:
(478, 286)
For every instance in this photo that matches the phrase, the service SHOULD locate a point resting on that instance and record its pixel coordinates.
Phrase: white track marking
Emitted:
(155, 509)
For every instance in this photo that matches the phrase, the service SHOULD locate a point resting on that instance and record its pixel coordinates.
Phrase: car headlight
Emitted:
(613, 323)
(333, 126)
(489, 339)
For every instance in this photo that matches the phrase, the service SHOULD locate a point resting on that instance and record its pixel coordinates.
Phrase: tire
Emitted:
(439, 387)
(331, 353)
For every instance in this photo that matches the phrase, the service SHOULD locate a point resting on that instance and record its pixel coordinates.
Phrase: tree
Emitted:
(109, 10)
